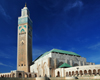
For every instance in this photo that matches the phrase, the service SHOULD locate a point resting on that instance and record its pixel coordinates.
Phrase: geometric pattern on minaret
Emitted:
(24, 41)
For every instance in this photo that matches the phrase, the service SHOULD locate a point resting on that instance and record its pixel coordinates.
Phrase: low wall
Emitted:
(55, 78)
(38, 78)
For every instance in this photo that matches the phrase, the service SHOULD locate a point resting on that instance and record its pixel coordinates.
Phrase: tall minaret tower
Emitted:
(24, 45)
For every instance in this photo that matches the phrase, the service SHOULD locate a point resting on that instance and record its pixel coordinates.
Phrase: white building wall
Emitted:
(41, 62)
(87, 68)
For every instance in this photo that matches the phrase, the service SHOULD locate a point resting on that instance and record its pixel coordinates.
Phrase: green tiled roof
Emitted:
(64, 52)
(64, 65)
(57, 51)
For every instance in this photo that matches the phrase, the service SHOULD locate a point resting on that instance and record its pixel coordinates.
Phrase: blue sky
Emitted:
(72, 25)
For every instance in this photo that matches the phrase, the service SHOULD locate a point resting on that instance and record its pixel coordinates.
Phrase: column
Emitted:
(79, 63)
(71, 62)
(66, 61)
(83, 63)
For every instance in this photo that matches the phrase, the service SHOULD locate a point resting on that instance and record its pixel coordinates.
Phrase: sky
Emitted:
(71, 25)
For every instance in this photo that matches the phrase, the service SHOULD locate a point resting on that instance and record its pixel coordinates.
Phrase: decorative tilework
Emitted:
(22, 30)
(20, 27)
(23, 20)
(25, 26)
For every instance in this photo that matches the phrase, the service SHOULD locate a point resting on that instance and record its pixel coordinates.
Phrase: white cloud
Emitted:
(4, 55)
(95, 46)
(4, 65)
(73, 5)
(3, 12)
(77, 3)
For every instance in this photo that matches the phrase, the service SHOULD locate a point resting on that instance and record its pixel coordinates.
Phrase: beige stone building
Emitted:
(54, 63)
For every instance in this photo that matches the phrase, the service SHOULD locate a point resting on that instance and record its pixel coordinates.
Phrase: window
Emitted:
(21, 64)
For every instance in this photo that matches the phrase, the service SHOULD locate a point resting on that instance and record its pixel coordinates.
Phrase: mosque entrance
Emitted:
(20, 75)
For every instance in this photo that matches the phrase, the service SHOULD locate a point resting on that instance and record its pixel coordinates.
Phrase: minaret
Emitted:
(24, 44)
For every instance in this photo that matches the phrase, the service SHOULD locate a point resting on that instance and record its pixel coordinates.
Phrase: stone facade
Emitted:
(53, 61)
(24, 47)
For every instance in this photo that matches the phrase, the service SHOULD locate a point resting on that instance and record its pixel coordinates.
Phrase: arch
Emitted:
(89, 71)
(85, 72)
(75, 64)
(94, 72)
(66, 73)
(13, 74)
(69, 73)
(2, 76)
(99, 71)
(29, 75)
(58, 74)
(35, 75)
(76, 72)
(81, 73)
(20, 75)
(26, 75)
(8, 75)
(5, 75)
(72, 72)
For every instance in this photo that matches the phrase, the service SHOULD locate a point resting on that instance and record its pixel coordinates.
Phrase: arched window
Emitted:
(66, 74)
(29, 75)
(94, 72)
(99, 71)
(85, 72)
(35, 75)
(72, 72)
(77, 72)
(58, 74)
(89, 71)
(81, 72)
(69, 73)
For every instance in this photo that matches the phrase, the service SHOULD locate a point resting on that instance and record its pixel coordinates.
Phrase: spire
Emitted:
(25, 5)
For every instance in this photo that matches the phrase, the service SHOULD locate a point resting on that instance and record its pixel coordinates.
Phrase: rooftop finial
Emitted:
(25, 5)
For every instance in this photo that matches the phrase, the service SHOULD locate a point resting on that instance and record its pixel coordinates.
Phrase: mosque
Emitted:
(53, 63)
